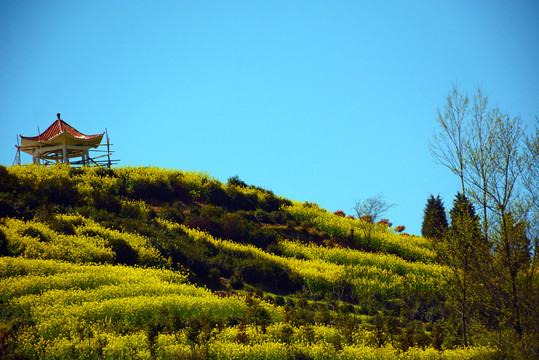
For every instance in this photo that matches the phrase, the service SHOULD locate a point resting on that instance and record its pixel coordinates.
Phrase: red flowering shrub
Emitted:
(367, 218)
(339, 213)
(351, 217)
(384, 222)
(400, 228)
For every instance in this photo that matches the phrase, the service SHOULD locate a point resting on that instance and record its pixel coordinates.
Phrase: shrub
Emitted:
(305, 226)
(178, 189)
(136, 210)
(367, 218)
(384, 222)
(58, 190)
(235, 282)
(125, 254)
(8, 182)
(171, 213)
(235, 228)
(379, 329)
(247, 215)
(202, 223)
(6, 205)
(61, 225)
(256, 313)
(24, 205)
(216, 195)
(262, 216)
(238, 200)
(339, 213)
(103, 172)
(271, 203)
(145, 190)
(214, 275)
(3, 244)
(214, 213)
(291, 224)
(207, 218)
(236, 181)
(241, 336)
(272, 276)
(279, 217)
(107, 202)
(407, 338)
(437, 336)
(35, 233)
(286, 333)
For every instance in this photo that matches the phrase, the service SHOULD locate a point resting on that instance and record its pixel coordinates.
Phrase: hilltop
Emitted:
(151, 263)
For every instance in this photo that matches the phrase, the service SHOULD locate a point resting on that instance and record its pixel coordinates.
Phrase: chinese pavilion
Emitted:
(60, 143)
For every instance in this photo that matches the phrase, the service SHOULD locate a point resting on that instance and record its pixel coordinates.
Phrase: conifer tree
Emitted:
(463, 251)
(434, 220)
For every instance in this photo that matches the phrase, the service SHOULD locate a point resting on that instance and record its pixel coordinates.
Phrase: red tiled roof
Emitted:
(57, 128)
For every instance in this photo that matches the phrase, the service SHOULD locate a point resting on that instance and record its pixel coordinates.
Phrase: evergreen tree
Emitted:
(463, 251)
(434, 220)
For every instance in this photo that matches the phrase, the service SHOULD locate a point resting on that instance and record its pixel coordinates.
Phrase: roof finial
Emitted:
(58, 116)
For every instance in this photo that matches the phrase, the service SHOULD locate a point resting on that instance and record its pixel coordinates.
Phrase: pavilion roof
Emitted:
(57, 134)
(57, 128)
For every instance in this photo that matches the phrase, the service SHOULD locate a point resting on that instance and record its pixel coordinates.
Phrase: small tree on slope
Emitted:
(434, 220)
(463, 251)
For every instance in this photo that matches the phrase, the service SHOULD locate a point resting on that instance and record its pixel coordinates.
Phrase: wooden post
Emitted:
(18, 154)
(108, 149)
(35, 156)
(39, 140)
(65, 159)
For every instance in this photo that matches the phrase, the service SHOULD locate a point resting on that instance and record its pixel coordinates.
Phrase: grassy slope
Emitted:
(155, 263)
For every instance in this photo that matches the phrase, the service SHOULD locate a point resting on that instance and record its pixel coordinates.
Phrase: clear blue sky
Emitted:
(321, 101)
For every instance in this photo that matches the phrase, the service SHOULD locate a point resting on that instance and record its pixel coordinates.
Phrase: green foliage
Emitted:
(125, 254)
(151, 263)
(465, 253)
(434, 223)
(239, 199)
(380, 238)
(216, 194)
(256, 313)
(3, 244)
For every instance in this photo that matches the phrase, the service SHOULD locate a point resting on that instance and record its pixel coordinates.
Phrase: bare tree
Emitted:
(374, 206)
(448, 145)
(484, 148)
(531, 175)
(369, 211)
(531, 184)
(479, 154)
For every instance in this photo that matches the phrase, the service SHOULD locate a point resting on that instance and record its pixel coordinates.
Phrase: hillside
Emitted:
(148, 263)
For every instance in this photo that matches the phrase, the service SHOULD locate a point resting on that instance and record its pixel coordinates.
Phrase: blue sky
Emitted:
(321, 101)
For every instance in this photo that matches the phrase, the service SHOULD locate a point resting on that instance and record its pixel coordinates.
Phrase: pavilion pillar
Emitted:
(35, 156)
(66, 158)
